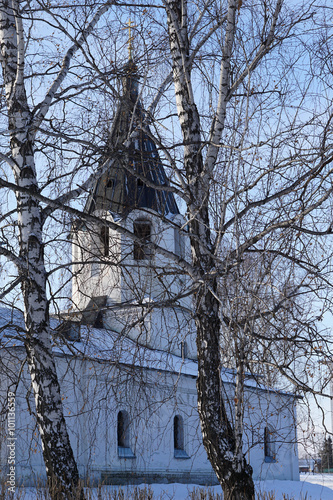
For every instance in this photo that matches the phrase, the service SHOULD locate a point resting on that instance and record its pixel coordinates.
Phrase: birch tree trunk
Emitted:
(61, 468)
(59, 460)
(234, 474)
(222, 442)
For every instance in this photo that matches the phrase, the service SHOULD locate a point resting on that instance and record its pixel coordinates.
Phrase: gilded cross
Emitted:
(130, 38)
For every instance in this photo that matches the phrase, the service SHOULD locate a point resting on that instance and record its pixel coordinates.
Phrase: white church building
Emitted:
(125, 350)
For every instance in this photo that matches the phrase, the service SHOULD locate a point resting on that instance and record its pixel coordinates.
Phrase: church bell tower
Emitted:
(121, 282)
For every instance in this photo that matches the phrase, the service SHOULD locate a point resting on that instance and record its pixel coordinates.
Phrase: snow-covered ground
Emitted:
(310, 487)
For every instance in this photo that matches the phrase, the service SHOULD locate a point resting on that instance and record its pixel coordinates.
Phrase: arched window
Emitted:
(178, 433)
(109, 190)
(178, 437)
(123, 429)
(123, 435)
(269, 445)
(141, 250)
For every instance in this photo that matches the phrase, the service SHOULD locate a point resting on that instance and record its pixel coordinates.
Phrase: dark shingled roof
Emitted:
(120, 190)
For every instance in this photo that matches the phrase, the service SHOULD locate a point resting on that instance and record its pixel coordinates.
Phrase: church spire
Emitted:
(134, 181)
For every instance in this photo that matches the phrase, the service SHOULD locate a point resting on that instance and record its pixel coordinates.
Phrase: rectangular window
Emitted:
(178, 438)
(269, 447)
(123, 436)
(179, 243)
(183, 347)
(143, 231)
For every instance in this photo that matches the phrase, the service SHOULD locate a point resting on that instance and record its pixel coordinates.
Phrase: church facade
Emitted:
(132, 415)
(125, 350)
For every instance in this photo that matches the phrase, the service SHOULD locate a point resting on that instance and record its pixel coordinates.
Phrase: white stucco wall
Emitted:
(94, 391)
(127, 283)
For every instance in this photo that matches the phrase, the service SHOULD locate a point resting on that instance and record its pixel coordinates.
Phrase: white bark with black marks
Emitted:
(59, 460)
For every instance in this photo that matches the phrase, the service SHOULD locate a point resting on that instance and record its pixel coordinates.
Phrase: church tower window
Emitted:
(142, 230)
(105, 240)
(179, 243)
(109, 188)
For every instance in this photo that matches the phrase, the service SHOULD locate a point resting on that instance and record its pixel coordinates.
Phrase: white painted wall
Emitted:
(94, 391)
(128, 283)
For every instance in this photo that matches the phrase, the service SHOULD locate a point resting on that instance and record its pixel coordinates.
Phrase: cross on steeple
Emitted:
(130, 38)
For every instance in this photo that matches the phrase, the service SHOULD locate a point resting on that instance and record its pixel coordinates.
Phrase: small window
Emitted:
(123, 429)
(109, 189)
(105, 239)
(269, 447)
(140, 194)
(178, 433)
(141, 248)
(123, 435)
(178, 437)
(183, 347)
(179, 243)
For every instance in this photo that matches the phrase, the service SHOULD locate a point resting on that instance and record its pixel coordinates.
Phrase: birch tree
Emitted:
(24, 123)
(247, 203)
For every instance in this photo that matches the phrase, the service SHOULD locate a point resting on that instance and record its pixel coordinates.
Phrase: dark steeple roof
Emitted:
(120, 190)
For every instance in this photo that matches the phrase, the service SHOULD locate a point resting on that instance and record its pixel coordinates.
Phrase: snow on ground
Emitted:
(314, 487)
(310, 487)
